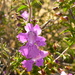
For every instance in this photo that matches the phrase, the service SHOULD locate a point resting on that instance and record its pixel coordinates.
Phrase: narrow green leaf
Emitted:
(22, 7)
(64, 31)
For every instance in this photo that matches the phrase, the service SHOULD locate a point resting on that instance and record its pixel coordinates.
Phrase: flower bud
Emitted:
(58, 14)
(55, 8)
(64, 18)
(19, 17)
(34, 21)
(19, 24)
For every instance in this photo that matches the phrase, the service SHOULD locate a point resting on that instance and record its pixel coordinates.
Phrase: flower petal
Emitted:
(29, 27)
(29, 51)
(28, 64)
(24, 51)
(40, 41)
(32, 37)
(22, 37)
(39, 62)
(69, 74)
(39, 59)
(37, 29)
(25, 15)
(43, 54)
(32, 50)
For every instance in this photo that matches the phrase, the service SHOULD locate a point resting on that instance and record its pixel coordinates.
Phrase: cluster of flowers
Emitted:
(33, 42)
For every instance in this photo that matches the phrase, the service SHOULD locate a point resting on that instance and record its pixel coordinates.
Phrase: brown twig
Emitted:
(61, 54)
(70, 12)
(50, 20)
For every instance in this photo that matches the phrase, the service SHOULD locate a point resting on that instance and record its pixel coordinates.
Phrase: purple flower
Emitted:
(36, 29)
(22, 37)
(25, 15)
(19, 24)
(38, 61)
(29, 51)
(40, 41)
(57, 61)
(63, 73)
(32, 35)
(39, 58)
(69, 74)
(28, 64)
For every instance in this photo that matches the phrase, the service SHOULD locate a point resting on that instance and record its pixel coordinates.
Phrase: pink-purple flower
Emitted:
(38, 61)
(31, 49)
(32, 35)
(70, 74)
(25, 15)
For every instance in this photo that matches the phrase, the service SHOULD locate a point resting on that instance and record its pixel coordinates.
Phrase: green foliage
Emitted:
(22, 7)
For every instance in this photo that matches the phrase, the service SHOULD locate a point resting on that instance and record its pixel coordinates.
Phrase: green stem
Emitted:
(30, 11)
